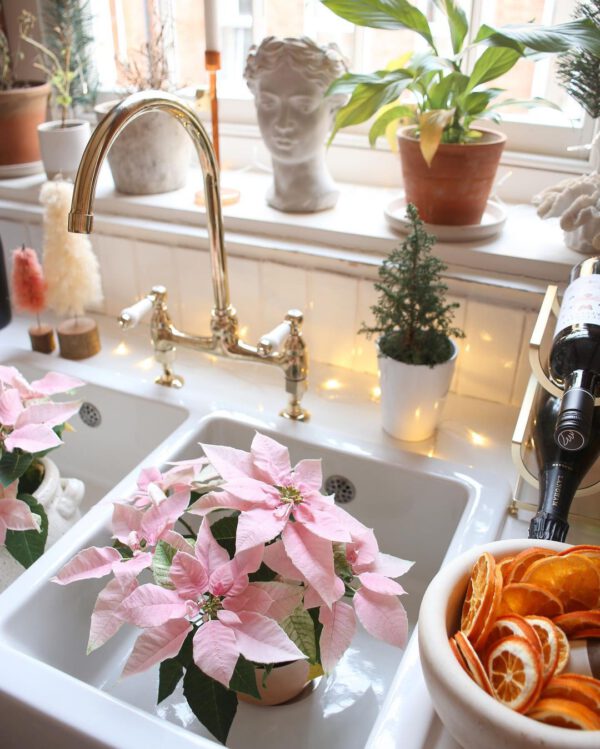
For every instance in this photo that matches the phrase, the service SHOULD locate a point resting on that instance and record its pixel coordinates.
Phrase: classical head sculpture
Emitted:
(288, 78)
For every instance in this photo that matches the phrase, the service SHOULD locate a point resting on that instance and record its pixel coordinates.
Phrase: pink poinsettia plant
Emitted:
(31, 424)
(275, 572)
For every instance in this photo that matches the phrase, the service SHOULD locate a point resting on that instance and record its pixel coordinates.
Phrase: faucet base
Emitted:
(295, 412)
(170, 380)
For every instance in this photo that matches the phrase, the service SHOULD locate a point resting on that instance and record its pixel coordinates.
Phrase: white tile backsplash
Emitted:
(492, 363)
(490, 351)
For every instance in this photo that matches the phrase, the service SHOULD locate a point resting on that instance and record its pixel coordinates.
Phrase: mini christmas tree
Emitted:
(72, 273)
(579, 71)
(412, 315)
(29, 294)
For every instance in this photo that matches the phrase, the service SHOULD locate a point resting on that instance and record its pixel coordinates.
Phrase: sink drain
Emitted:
(341, 487)
(90, 414)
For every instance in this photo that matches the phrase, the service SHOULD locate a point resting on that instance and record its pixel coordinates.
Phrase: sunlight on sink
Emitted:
(415, 514)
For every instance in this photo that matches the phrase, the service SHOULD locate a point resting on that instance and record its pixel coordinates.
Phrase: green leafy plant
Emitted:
(578, 70)
(412, 317)
(446, 97)
(57, 67)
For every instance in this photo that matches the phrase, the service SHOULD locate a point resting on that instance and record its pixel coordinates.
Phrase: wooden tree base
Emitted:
(78, 338)
(42, 339)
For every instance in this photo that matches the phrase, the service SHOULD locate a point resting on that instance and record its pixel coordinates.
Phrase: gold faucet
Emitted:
(283, 347)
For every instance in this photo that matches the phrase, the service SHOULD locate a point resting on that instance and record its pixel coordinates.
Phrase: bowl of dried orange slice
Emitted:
(498, 630)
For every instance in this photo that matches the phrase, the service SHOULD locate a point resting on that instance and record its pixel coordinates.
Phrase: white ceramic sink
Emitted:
(51, 692)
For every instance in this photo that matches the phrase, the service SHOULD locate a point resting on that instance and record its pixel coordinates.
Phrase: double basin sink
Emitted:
(54, 695)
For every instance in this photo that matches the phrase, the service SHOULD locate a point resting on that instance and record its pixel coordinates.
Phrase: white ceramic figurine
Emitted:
(288, 78)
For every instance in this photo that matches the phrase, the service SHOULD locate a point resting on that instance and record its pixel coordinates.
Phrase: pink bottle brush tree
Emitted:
(30, 295)
(252, 567)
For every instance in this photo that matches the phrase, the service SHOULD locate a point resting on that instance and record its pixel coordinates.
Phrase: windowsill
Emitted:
(526, 255)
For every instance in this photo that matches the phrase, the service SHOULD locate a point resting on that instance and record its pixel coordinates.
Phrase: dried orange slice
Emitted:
(474, 666)
(564, 651)
(587, 550)
(457, 655)
(566, 714)
(480, 592)
(587, 634)
(523, 561)
(524, 598)
(574, 579)
(547, 633)
(575, 621)
(583, 691)
(504, 566)
(494, 606)
(512, 624)
(514, 669)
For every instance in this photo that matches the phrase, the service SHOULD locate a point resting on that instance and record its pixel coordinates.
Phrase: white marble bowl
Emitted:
(472, 717)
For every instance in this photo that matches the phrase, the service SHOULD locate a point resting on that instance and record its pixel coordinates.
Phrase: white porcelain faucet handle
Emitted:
(273, 340)
(132, 316)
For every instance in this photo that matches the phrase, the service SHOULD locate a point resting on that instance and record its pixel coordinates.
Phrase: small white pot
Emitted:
(62, 147)
(61, 498)
(412, 396)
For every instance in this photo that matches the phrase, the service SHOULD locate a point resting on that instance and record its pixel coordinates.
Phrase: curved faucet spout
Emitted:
(82, 206)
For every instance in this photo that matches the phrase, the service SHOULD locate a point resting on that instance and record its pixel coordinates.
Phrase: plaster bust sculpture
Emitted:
(288, 78)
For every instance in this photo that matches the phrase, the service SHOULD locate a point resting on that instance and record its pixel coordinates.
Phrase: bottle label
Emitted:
(570, 439)
(580, 304)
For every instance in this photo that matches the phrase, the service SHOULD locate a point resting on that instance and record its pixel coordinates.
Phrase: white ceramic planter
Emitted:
(151, 155)
(62, 147)
(412, 396)
(61, 498)
(473, 718)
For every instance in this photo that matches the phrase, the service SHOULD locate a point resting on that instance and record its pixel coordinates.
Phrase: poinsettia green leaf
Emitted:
(300, 628)
(161, 563)
(170, 674)
(244, 678)
(580, 34)
(213, 704)
(13, 465)
(494, 62)
(382, 14)
(28, 546)
(457, 22)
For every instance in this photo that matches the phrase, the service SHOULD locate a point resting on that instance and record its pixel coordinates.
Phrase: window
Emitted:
(124, 25)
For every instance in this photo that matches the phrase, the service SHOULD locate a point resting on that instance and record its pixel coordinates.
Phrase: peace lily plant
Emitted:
(275, 573)
(30, 427)
(445, 96)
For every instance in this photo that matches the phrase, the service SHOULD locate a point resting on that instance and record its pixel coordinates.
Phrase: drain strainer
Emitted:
(90, 415)
(341, 487)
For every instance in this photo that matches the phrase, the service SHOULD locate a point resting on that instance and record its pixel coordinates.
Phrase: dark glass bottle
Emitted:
(560, 471)
(575, 355)
(5, 313)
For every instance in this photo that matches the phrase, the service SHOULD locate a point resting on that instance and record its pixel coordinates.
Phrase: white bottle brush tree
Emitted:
(70, 266)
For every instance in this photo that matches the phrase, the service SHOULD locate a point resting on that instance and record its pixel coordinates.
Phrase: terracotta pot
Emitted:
(454, 190)
(281, 685)
(21, 111)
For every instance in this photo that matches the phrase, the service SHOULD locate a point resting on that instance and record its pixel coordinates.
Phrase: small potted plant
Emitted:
(22, 108)
(153, 153)
(36, 505)
(62, 141)
(414, 323)
(448, 163)
(259, 599)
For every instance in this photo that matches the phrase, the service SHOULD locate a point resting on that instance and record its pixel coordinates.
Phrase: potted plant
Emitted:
(264, 594)
(62, 141)
(448, 162)
(153, 153)
(22, 109)
(414, 322)
(36, 505)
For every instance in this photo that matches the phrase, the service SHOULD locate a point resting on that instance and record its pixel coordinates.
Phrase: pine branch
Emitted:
(412, 315)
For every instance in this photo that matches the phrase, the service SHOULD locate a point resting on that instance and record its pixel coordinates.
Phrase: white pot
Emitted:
(412, 396)
(151, 155)
(61, 498)
(62, 147)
